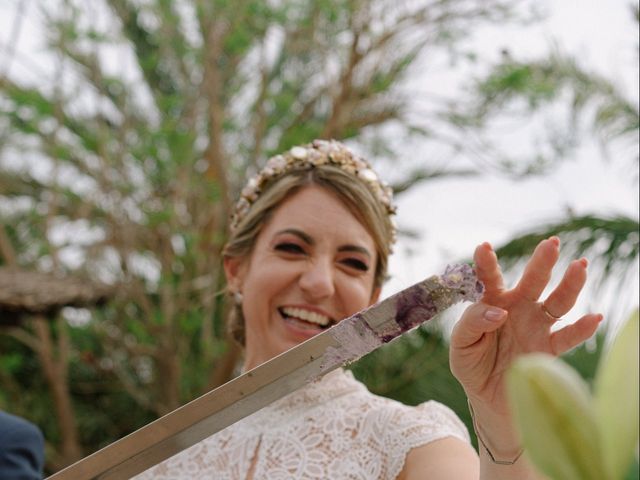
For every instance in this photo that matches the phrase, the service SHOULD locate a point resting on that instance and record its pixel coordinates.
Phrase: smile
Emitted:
(304, 315)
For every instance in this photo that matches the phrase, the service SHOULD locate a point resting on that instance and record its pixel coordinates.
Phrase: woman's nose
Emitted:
(317, 281)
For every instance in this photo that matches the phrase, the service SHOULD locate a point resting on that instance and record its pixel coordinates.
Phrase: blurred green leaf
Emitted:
(554, 412)
(11, 362)
(616, 399)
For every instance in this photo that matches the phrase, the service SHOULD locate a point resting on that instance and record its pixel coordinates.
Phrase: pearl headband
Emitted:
(319, 152)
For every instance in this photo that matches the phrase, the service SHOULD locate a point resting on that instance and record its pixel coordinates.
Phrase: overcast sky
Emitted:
(455, 215)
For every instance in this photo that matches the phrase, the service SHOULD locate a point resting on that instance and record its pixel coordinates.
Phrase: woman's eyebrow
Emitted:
(355, 248)
(298, 233)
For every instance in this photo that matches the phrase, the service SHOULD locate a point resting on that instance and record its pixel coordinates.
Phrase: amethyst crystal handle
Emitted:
(381, 323)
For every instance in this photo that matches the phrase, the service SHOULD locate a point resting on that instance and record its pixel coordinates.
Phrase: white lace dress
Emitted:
(333, 428)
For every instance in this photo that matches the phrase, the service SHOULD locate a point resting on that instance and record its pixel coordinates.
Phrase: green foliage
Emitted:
(518, 91)
(103, 409)
(510, 80)
(585, 358)
(541, 82)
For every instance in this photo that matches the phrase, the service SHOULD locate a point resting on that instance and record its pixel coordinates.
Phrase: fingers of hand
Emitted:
(564, 296)
(572, 335)
(477, 320)
(488, 269)
(537, 273)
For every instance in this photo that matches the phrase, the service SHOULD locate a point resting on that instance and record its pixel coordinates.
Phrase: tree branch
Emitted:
(6, 248)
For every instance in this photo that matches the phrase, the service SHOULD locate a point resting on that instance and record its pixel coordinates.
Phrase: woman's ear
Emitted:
(234, 270)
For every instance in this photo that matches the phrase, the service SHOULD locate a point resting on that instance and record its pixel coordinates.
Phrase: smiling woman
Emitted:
(332, 168)
(308, 247)
(305, 272)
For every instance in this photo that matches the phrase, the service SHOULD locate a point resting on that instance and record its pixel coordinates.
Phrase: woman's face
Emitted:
(313, 265)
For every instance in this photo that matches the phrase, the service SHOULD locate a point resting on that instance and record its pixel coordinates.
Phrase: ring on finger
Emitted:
(548, 313)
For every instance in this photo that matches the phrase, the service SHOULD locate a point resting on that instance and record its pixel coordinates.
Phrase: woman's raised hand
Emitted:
(507, 323)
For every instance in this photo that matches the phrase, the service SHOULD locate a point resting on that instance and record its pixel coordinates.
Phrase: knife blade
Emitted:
(341, 344)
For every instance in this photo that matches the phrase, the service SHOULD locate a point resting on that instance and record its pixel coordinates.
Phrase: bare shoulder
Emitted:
(441, 460)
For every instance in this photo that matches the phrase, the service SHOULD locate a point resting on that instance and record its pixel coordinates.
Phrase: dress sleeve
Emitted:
(410, 427)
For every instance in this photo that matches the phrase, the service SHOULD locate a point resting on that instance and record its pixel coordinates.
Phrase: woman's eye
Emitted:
(357, 264)
(289, 247)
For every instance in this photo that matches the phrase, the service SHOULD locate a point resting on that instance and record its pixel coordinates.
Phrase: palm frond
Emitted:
(609, 243)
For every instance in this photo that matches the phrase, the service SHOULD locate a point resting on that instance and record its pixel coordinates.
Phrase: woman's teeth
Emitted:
(307, 316)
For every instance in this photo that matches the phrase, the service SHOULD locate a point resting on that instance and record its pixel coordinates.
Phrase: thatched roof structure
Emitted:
(26, 292)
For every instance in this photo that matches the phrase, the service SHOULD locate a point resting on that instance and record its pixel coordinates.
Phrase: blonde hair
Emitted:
(353, 192)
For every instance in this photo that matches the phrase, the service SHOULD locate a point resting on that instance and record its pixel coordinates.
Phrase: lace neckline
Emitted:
(335, 384)
(331, 428)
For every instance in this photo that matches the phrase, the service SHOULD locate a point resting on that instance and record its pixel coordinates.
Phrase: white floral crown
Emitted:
(319, 152)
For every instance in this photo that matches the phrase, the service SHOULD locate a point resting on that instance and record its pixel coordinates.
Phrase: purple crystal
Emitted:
(420, 303)
(365, 331)
(413, 307)
(462, 278)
